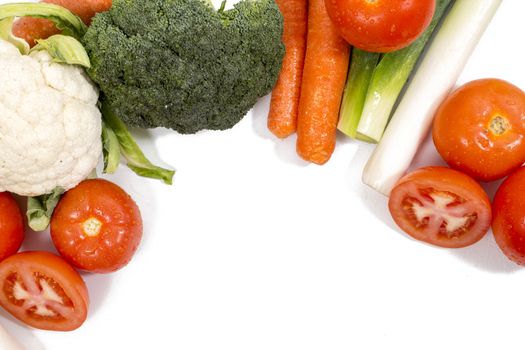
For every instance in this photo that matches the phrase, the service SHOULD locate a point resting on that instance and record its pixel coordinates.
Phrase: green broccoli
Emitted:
(181, 64)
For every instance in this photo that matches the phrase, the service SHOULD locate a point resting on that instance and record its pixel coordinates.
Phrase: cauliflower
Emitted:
(50, 126)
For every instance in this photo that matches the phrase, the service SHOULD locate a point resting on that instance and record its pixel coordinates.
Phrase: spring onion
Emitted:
(361, 69)
(437, 74)
(388, 80)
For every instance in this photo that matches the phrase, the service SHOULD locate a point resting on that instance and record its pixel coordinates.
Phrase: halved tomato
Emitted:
(43, 291)
(441, 206)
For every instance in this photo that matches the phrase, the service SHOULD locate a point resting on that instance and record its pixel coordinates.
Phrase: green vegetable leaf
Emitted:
(136, 160)
(40, 209)
(6, 34)
(111, 150)
(389, 78)
(64, 49)
(361, 71)
(64, 19)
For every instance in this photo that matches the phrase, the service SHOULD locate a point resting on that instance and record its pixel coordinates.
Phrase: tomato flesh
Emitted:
(42, 297)
(441, 212)
(479, 129)
(381, 25)
(97, 226)
(43, 291)
(441, 206)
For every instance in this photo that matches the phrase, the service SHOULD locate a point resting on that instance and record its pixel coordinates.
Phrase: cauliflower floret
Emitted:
(50, 126)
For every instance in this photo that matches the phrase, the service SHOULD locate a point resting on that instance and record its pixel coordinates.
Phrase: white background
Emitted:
(252, 248)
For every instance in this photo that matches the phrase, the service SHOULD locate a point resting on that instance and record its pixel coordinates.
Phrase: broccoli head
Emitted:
(181, 64)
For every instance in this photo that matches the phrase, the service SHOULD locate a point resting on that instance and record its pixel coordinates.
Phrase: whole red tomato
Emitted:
(97, 226)
(480, 129)
(381, 25)
(508, 225)
(43, 291)
(11, 226)
(441, 206)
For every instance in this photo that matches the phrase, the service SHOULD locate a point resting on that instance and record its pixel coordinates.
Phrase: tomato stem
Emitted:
(92, 227)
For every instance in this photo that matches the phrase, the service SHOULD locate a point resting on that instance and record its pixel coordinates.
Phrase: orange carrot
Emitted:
(324, 76)
(284, 107)
(30, 29)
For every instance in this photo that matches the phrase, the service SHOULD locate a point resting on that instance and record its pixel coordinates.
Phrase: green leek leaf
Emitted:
(361, 70)
(388, 80)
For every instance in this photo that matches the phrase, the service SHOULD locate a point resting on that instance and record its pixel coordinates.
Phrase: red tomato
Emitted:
(96, 226)
(43, 291)
(381, 25)
(441, 206)
(508, 225)
(480, 129)
(11, 226)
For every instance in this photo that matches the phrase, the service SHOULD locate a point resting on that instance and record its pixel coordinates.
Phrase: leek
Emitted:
(361, 69)
(388, 80)
(437, 74)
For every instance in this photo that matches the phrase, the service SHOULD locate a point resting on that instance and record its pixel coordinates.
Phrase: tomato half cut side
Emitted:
(43, 291)
(441, 206)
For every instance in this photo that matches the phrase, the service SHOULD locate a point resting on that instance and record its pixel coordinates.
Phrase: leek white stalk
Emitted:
(388, 80)
(7, 342)
(436, 76)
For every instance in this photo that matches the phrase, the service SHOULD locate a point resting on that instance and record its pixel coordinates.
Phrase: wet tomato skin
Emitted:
(57, 272)
(480, 129)
(469, 198)
(380, 25)
(508, 225)
(11, 226)
(97, 226)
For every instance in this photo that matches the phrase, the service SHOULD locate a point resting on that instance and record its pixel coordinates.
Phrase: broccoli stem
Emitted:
(223, 6)
(221, 9)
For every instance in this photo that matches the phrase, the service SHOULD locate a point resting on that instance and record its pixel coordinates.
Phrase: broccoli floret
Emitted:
(181, 64)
